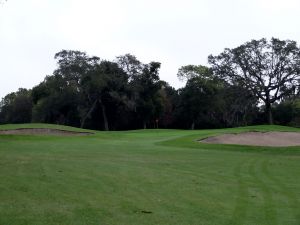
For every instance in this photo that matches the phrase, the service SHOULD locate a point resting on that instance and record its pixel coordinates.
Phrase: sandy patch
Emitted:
(274, 139)
(43, 131)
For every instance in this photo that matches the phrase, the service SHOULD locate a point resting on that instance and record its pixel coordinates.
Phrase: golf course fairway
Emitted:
(143, 177)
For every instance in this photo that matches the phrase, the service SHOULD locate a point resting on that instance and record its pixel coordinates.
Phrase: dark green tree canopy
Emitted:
(130, 64)
(72, 65)
(127, 94)
(271, 70)
(16, 107)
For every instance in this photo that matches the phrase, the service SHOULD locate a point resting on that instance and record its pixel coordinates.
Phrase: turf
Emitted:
(146, 177)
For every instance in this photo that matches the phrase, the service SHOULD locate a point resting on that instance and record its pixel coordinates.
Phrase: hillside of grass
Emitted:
(146, 177)
(41, 125)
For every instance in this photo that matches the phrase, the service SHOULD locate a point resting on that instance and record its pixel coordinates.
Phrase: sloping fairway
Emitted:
(146, 177)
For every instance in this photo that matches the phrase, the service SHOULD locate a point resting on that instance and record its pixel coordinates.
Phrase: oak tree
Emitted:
(271, 70)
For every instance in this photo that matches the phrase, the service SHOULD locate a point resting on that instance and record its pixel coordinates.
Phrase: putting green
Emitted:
(146, 177)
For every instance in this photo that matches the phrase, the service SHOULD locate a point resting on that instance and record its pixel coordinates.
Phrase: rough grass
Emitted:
(146, 177)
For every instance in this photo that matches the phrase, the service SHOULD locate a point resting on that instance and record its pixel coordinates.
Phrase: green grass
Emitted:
(146, 177)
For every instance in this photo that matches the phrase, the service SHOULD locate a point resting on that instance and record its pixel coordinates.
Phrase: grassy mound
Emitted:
(41, 126)
(146, 177)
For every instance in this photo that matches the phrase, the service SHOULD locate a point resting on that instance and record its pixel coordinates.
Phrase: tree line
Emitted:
(255, 83)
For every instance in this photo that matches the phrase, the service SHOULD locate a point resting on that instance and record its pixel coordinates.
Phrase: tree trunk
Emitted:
(105, 121)
(145, 125)
(88, 114)
(193, 125)
(269, 112)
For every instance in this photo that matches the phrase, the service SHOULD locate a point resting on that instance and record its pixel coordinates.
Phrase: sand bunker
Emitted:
(274, 139)
(43, 131)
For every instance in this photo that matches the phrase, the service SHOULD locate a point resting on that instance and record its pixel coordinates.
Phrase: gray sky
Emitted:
(173, 32)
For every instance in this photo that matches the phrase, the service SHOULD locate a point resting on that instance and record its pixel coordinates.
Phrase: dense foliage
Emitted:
(244, 86)
(271, 70)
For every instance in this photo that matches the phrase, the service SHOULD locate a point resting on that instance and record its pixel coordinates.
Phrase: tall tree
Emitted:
(144, 89)
(271, 70)
(56, 101)
(16, 107)
(288, 112)
(73, 65)
(73, 68)
(145, 92)
(237, 106)
(103, 87)
(168, 96)
(198, 101)
(209, 101)
(198, 98)
(58, 98)
(130, 64)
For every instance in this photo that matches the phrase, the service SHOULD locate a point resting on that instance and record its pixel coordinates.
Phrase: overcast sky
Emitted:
(175, 33)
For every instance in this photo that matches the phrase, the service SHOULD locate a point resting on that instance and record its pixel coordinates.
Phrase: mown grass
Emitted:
(146, 177)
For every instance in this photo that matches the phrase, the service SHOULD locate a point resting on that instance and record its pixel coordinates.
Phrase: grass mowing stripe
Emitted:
(269, 209)
(284, 190)
(119, 177)
(242, 198)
